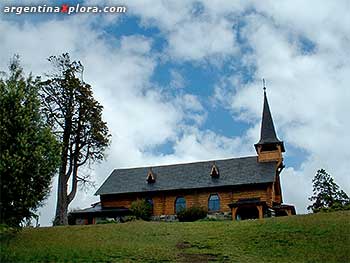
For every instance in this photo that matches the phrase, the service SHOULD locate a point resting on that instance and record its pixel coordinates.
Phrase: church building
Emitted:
(239, 188)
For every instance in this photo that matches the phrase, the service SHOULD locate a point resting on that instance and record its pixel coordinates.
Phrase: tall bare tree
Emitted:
(76, 118)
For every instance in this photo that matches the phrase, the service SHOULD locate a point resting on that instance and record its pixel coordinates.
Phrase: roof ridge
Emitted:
(165, 165)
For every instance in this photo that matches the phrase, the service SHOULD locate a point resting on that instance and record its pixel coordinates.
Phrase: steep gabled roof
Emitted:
(268, 132)
(237, 171)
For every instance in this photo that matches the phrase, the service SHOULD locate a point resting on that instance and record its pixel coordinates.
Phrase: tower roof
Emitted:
(268, 133)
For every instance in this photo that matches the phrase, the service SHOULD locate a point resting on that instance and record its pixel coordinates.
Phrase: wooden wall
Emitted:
(164, 202)
(271, 155)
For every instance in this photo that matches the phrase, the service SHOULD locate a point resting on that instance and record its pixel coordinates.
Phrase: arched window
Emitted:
(180, 204)
(214, 202)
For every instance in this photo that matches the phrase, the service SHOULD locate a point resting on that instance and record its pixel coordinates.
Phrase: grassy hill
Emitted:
(305, 238)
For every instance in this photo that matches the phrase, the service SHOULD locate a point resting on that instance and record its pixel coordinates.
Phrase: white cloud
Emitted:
(162, 14)
(137, 114)
(202, 145)
(308, 91)
(140, 116)
(191, 35)
(201, 39)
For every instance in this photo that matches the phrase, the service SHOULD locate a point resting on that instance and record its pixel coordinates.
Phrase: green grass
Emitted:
(308, 238)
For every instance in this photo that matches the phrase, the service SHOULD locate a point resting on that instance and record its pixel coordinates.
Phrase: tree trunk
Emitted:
(75, 157)
(61, 217)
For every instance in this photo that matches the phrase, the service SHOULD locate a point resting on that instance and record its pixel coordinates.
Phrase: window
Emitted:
(150, 201)
(150, 177)
(214, 171)
(180, 204)
(214, 203)
(269, 147)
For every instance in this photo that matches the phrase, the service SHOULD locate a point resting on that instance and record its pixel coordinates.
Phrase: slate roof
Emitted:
(232, 172)
(268, 133)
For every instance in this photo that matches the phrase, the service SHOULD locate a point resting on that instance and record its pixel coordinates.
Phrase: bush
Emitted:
(191, 214)
(141, 209)
(105, 221)
(336, 207)
(129, 219)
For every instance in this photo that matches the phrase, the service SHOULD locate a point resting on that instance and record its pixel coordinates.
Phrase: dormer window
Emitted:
(151, 177)
(214, 173)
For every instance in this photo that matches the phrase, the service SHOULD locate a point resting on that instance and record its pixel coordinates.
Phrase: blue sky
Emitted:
(200, 79)
(181, 80)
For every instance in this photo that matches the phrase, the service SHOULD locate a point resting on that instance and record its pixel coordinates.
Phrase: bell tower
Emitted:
(269, 148)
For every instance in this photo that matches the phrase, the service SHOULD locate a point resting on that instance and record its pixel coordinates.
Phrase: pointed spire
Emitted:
(268, 133)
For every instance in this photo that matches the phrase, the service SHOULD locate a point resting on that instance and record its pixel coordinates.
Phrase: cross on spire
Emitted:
(264, 84)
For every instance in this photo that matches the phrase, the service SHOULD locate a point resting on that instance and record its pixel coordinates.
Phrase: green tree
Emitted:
(326, 193)
(76, 118)
(28, 149)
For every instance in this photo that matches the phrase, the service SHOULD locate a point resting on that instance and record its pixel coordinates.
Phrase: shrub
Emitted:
(336, 207)
(191, 214)
(141, 209)
(106, 221)
(129, 219)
